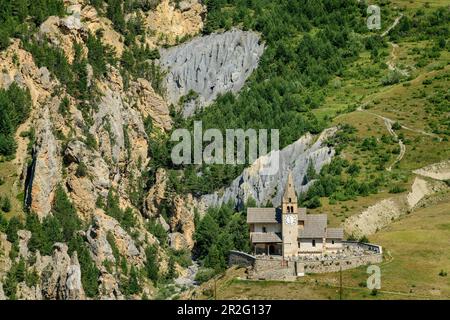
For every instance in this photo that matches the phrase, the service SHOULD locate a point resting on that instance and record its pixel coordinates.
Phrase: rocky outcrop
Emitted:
(74, 288)
(24, 238)
(45, 171)
(210, 65)
(28, 293)
(61, 279)
(5, 249)
(101, 248)
(84, 190)
(170, 22)
(63, 32)
(255, 184)
(156, 194)
(109, 287)
(182, 223)
(149, 103)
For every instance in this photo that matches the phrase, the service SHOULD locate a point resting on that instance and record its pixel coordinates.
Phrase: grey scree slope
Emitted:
(210, 65)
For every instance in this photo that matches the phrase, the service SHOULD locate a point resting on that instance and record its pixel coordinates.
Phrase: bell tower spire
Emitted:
(289, 202)
(289, 226)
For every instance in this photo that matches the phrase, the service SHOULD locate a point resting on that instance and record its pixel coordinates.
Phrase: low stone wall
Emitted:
(366, 246)
(325, 266)
(238, 258)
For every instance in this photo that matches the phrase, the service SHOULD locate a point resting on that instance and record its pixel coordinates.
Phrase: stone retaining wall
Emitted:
(274, 268)
(238, 258)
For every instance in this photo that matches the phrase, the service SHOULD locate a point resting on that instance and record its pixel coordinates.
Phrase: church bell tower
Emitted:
(289, 215)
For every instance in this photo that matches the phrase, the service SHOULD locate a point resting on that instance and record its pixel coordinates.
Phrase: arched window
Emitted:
(313, 242)
(264, 229)
(290, 200)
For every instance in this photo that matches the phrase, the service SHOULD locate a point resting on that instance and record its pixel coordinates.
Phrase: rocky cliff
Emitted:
(92, 154)
(209, 66)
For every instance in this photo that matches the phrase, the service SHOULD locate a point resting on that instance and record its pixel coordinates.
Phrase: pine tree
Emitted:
(151, 265)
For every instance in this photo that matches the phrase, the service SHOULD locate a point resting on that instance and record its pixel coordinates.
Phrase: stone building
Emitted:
(289, 232)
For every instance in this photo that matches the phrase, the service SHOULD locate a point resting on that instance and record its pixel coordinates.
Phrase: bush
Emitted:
(396, 126)
(363, 239)
(204, 274)
(393, 77)
(81, 170)
(443, 273)
(5, 204)
(397, 189)
(151, 263)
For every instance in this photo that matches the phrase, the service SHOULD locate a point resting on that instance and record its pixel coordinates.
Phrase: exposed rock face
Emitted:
(156, 194)
(438, 171)
(85, 190)
(63, 32)
(149, 103)
(109, 287)
(97, 238)
(269, 188)
(74, 288)
(26, 293)
(182, 221)
(61, 279)
(210, 65)
(171, 23)
(93, 22)
(46, 168)
(24, 237)
(5, 261)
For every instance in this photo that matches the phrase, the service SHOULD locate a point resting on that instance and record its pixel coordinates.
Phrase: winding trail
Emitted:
(393, 57)
(388, 123)
(397, 20)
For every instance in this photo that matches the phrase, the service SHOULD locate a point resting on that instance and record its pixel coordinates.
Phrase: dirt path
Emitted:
(397, 20)
(388, 123)
(393, 57)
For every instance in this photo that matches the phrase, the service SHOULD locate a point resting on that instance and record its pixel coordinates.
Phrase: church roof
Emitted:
(263, 215)
(315, 226)
(265, 237)
(335, 233)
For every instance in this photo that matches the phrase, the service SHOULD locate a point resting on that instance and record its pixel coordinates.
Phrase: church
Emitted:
(288, 231)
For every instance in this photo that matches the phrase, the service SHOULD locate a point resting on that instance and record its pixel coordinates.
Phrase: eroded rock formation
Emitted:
(209, 66)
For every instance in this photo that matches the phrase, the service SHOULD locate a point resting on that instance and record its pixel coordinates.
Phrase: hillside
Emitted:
(92, 205)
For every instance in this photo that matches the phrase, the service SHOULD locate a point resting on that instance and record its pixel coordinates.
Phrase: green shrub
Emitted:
(5, 204)
(204, 274)
(392, 77)
(396, 126)
(397, 189)
(151, 263)
(81, 170)
(364, 239)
